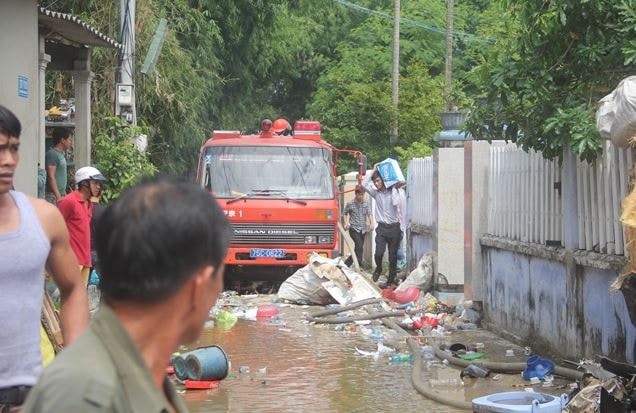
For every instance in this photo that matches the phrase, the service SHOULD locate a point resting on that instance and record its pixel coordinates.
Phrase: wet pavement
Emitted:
(289, 365)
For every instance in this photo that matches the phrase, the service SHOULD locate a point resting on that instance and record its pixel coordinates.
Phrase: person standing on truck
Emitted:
(357, 219)
(390, 215)
(282, 127)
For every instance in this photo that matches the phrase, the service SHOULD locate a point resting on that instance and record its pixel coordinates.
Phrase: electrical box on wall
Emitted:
(124, 95)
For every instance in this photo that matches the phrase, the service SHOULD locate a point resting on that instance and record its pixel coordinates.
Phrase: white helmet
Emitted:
(88, 172)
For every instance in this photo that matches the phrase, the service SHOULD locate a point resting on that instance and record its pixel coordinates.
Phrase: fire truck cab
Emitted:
(280, 194)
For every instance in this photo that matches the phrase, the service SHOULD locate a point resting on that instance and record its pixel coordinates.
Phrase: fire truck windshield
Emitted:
(280, 172)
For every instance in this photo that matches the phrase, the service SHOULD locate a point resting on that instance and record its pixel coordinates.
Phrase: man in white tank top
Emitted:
(33, 236)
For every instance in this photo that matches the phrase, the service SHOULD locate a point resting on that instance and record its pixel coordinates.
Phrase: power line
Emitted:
(414, 23)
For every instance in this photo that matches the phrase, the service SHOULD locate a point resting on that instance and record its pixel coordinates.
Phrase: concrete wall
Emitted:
(19, 48)
(476, 164)
(557, 302)
(450, 216)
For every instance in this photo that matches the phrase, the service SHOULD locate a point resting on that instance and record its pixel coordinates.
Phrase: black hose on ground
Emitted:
(505, 367)
(416, 374)
(497, 367)
(414, 346)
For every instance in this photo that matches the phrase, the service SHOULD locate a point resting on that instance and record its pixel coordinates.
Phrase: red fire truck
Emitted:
(280, 194)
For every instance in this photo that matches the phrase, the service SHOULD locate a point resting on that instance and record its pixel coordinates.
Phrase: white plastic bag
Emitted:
(616, 115)
(304, 287)
(422, 276)
(605, 116)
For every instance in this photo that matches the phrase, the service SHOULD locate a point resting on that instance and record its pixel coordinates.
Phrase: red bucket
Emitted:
(266, 311)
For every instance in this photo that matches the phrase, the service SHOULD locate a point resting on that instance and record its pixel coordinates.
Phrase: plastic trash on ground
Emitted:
(475, 371)
(519, 402)
(422, 276)
(445, 382)
(266, 311)
(225, 320)
(537, 367)
(305, 285)
(402, 357)
(407, 295)
(325, 280)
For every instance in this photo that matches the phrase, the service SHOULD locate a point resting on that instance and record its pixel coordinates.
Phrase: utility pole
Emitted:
(448, 69)
(395, 75)
(125, 95)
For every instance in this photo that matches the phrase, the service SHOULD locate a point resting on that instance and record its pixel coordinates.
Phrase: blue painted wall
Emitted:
(563, 309)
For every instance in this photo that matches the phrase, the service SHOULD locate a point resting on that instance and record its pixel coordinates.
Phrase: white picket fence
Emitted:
(601, 188)
(420, 191)
(524, 201)
(525, 198)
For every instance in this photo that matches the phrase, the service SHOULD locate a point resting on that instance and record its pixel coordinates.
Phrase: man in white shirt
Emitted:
(390, 216)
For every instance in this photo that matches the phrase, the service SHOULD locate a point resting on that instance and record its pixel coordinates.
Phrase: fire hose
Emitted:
(416, 377)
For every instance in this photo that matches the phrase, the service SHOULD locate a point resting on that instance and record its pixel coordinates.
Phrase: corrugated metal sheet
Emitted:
(420, 191)
(72, 28)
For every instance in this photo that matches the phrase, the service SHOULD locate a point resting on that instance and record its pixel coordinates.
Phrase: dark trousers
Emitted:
(12, 398)
(387, 236)
(358, 241)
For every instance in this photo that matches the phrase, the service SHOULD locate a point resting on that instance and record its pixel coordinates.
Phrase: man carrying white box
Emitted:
(390, 208)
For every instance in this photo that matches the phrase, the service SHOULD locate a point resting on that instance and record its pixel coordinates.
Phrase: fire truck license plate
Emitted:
(266, 253)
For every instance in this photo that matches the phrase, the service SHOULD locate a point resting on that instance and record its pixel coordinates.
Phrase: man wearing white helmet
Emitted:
(77, 210)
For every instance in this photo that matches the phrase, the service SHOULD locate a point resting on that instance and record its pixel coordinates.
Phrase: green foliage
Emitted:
(228, 64)
(540, 85)
(353, 97)
(415, 150)
(117, 158)
(577, 123)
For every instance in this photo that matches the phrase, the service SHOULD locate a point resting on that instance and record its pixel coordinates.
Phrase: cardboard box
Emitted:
(390, 172)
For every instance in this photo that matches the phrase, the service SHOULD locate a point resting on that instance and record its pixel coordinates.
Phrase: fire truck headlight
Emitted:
(324, 239)
(310, 239)
(326, 214)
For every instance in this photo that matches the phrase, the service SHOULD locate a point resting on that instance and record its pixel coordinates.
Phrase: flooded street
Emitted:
(289, 365)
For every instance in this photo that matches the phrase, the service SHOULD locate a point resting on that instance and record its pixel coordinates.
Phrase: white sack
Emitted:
(422, 276)
(616, 115)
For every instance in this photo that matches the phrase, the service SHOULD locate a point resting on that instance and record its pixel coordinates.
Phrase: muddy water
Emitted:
(296, 367)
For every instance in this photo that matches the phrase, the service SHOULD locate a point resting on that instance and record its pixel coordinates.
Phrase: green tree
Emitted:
(353, 97)
(117, 159)
(541, 83)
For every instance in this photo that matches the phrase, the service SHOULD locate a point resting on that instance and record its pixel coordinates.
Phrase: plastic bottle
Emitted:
(402, 357)
(407, 306)
(475, 371)
(376, 334)
(277, 320)
(445, 382)
(428, 352)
